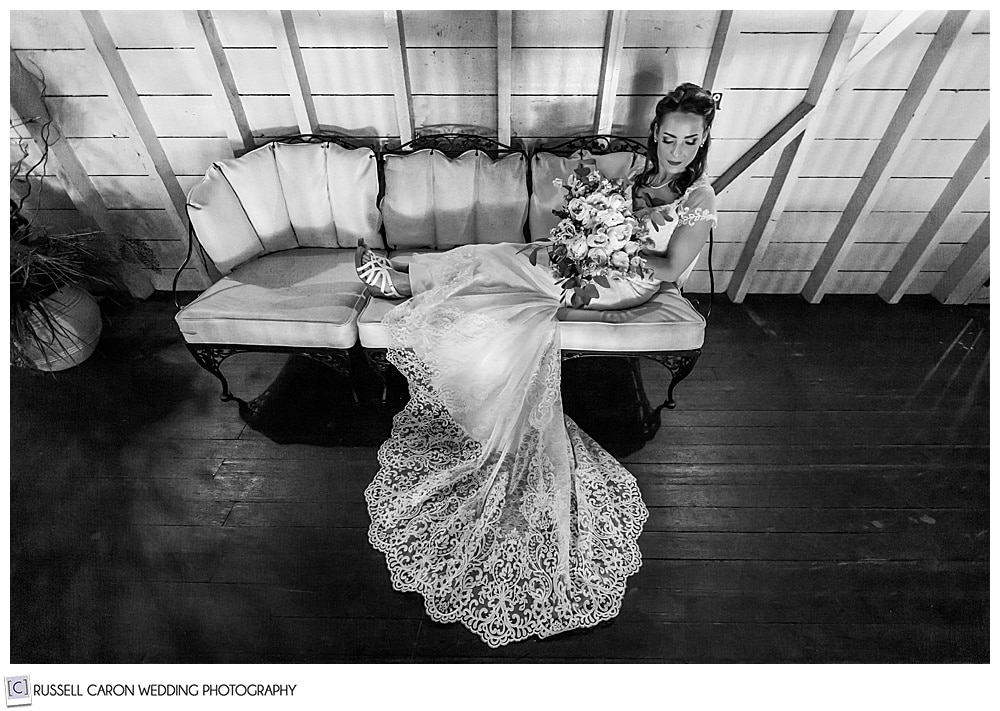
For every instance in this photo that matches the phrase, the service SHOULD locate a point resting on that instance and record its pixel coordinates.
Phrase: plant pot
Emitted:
(71, 332)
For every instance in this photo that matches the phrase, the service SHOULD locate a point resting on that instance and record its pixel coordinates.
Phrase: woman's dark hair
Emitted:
(686, 99)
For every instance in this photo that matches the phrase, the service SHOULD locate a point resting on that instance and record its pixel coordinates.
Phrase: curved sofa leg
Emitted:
(680, 366)
(395, 392)
(210, 358)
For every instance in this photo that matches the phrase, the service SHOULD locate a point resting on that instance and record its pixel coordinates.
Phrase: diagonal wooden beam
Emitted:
(899, 24)
(294, 69)
(722, 49)
(215, 67)
(399, 67)
(833, 60)
(27, 104)
(778, 137)
(505, 41)
(611, 60)
(97, 39)
(922, 245)
(912, 108)
(969, 271)
(782, 133)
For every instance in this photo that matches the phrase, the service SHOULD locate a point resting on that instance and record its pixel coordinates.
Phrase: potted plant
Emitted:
(55, 322)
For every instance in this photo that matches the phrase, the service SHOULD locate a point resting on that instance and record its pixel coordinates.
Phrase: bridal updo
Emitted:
(687, 98)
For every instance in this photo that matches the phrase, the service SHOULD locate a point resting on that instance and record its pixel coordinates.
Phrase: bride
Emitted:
(489, 502)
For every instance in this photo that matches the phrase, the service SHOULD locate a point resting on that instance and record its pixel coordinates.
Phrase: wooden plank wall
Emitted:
(349, 64)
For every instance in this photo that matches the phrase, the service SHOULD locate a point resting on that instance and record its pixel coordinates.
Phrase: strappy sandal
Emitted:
(373, 269)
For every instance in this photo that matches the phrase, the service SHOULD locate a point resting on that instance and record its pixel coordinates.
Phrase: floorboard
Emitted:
(820, 494)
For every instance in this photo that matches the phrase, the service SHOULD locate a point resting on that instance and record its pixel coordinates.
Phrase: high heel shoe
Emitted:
(373, 269)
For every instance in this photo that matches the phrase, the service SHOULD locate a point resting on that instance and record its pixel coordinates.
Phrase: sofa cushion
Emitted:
(667, 322)
(281, 196)
(433, 201)
(546, 197)
(371, 333)
(304, 298)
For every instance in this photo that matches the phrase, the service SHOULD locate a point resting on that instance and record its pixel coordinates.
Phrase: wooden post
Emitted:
(505, 40)
(399, 66)
(922, 245)
(26, 103)
(614, 39)
(121, 91)
(835, 56)
(912, 108)
(722, 49)
(294, 69)
(215, 66)
(969, 271)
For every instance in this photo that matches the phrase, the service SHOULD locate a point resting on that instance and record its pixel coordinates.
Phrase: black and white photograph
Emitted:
(444, 337)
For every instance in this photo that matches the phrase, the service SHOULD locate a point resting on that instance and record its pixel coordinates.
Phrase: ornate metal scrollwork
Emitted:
(337, 359)
(379, 358)
(455, 144)
(211, 355)
(210, 358)
(679, 363)
(341, 141)
(598, 144)
(395, 390)
(680, 366)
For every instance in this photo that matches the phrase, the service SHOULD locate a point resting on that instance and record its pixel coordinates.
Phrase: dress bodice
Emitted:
(685, 209)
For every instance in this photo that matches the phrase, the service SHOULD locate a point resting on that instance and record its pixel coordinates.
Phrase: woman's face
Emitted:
(678, 138)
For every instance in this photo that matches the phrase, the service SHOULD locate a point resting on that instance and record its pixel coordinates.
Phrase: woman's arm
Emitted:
(684, 246)
(695, 220)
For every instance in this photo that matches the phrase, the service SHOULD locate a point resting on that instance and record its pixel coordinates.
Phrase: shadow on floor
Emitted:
(309, 403)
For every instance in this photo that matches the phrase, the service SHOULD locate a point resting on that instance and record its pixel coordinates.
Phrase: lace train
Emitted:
(489, 502)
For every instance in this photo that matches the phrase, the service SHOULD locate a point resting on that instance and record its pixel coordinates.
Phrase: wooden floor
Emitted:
(820, 494)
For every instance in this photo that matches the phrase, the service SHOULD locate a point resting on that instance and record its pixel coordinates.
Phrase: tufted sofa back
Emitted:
(546, 167)
(433, 201)
(282, 196)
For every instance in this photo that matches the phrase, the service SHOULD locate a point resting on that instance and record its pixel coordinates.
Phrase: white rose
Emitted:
(617, 236)
(578, 209)
(598, 239)
(610, 217)
(598, 201)
(578, 248)
(598, 255)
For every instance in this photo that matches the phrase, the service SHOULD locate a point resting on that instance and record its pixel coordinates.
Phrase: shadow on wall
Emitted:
(650, 78)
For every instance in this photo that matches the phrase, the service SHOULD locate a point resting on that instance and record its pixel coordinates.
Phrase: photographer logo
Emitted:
(18, 690)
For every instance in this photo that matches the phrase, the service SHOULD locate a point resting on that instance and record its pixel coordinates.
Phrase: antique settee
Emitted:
(281, 224)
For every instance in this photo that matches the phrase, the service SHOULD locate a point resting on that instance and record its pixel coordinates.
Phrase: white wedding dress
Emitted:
(490, 502)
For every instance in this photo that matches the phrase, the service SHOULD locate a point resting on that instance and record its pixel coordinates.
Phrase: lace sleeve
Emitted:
(697, 206)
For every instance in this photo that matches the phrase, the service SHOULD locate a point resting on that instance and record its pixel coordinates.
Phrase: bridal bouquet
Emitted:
(597, 240)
